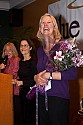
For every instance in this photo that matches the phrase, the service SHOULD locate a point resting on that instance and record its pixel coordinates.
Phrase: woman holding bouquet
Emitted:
(52, 83)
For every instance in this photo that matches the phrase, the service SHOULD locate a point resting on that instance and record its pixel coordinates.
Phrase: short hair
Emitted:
(56, 32)
(12, 48)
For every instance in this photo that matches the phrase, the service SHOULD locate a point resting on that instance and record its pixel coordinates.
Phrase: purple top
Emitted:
(59, 88)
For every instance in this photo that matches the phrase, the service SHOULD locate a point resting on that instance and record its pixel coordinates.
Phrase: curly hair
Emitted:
(56, 32)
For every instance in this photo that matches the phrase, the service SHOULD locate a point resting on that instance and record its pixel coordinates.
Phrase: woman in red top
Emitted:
(11, 67)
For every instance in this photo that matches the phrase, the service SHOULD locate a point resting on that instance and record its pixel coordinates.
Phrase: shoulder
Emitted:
(61, 42)
(16, 59)
(40, 50)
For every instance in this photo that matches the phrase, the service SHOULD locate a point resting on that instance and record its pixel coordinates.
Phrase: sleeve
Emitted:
(39, 52)
(30, 82)
(15, 67)
(70, 74)
(41, 63)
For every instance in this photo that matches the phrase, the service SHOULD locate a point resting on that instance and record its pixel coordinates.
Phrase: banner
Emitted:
(69, 15)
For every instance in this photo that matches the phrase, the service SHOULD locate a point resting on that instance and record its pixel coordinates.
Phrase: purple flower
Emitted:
(67, 56)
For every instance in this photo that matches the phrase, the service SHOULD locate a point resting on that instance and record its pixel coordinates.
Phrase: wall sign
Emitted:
(69, 15)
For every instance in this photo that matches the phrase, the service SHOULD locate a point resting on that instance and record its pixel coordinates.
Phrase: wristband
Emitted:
(50, 75)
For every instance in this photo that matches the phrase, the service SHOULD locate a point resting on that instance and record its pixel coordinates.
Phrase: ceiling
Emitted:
(8, 4)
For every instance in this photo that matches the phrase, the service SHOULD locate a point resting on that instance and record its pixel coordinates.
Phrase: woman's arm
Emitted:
(15, 67)
(43, 77)
(53, 75)
(70, 74)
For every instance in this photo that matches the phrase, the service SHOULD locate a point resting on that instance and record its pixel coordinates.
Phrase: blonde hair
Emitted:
(56, 32)
(12, 48)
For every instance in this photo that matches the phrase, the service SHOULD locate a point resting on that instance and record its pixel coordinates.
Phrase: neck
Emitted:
(27, 57)
(49, 46)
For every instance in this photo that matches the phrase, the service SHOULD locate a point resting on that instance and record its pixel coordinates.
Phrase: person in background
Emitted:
(54, 102)
(26, 72)
(10, 65)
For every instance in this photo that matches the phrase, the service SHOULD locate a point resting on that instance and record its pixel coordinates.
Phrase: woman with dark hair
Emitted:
(26, 72)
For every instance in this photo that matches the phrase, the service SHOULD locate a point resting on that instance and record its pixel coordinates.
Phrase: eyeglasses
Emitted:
(25, 45)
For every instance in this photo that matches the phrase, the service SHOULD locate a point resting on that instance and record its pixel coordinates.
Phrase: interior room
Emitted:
(21, 18)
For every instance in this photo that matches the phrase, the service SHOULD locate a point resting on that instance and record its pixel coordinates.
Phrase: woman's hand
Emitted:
(13, 81)
(2, 66)
(17, 82)
(40, 78)
(43, 77)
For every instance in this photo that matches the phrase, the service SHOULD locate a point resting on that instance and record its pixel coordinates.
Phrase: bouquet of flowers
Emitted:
(66, 57)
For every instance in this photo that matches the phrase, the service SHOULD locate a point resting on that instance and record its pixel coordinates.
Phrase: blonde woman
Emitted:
(54, 100)
(11, 67)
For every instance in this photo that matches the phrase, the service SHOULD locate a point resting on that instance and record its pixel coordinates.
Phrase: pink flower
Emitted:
(59, 56)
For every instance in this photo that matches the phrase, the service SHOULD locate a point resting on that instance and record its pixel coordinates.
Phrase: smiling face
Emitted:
(46, 26)
(25, 47)
(8, 52)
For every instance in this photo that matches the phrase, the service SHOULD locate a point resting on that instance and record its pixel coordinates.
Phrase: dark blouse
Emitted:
(26, 72)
